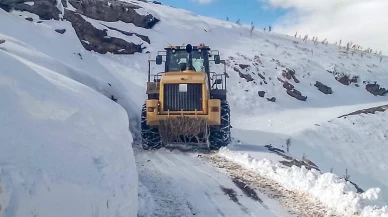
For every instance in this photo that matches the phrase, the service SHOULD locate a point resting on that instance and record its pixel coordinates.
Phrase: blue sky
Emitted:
(245, 10)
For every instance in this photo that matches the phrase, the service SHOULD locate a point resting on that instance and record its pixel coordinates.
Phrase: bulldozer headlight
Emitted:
(151, 109)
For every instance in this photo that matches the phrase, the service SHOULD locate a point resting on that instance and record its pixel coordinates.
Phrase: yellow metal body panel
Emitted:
(185, 77)
(210, 107)
(213, 115)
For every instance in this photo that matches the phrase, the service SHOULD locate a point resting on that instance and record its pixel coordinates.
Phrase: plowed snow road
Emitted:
(180, 184)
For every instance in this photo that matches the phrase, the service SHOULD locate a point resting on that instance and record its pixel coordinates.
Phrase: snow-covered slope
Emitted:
(64, 148)
(259, 122)
(262, 58)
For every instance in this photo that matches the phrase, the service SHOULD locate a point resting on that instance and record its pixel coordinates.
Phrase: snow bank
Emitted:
(65, 150)
(329, 189)
(357, 143)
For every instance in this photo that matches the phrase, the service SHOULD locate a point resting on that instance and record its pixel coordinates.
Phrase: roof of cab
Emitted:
(183, 47)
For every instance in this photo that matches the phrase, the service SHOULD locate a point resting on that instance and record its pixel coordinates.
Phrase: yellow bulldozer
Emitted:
(187, 103)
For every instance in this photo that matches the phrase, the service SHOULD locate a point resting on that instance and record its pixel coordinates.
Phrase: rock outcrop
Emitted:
(346, 79)
(247, 77)
(376, 90)
(114, 11)
(297, 95)
(290, 89)
(272, 99)
(60, 31)
(143, 37)
(98, 40)
(244, 66)
(372, 110)
(290, 74)
(343, 78)
(92, 39)
(45, 9)
(323, 88)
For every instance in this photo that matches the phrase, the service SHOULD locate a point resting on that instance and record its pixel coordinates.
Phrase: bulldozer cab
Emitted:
(178, 60)
(191, 59)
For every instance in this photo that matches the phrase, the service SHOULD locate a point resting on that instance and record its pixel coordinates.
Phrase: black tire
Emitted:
(149, 135)
(220, 136)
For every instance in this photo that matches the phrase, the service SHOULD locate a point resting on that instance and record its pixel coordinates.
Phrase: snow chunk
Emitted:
(30, 3)
(329, 189)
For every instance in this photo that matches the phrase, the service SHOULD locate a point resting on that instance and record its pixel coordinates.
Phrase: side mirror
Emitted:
(159, 60)
(217, 59)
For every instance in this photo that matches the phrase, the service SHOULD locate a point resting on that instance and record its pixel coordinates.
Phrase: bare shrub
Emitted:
(346, 176)
(288, 144)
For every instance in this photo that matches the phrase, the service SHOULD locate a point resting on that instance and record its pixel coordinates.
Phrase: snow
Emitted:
(257, 122)
(182, 185)
(69, 6)
(313, 125)
(362, 151)
(65, 148)
(113, 33)
(30, 3)
(328, 188)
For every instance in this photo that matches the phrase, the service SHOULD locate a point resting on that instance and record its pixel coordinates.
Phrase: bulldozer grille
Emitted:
(186, 97)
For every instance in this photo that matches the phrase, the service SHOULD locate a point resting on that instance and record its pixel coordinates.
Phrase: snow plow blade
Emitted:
(193, 133)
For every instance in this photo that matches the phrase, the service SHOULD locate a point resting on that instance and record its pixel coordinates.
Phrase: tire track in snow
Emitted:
(182, 184)
(174, 170)
(208, 196)
(224, 189)
(154, 175)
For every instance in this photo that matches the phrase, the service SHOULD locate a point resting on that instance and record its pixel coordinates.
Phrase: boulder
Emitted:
(297, 95)
(290, 74)
(244, 66)
(272, 99)
(376, 90)
(247, 77)
(288, 86)
(261, 93)
(323, 88)
(344, 79)
(60, 31)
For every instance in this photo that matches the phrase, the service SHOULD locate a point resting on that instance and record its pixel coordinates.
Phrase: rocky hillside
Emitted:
(92, 39)
(273, 67)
